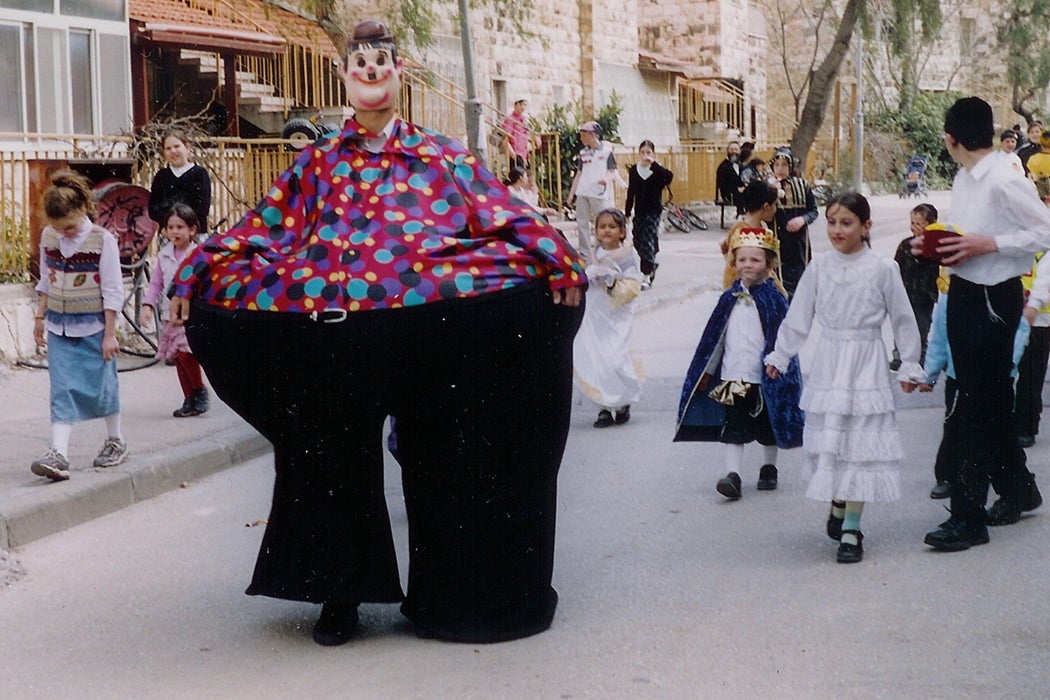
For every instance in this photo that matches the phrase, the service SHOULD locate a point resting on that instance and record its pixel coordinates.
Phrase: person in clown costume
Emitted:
(388, 273)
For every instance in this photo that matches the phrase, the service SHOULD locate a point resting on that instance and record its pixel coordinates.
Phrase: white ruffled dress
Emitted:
(851, 442)
(603, 366)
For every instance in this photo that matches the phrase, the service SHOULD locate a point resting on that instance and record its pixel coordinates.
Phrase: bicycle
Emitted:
(822, 192)
(685, 220)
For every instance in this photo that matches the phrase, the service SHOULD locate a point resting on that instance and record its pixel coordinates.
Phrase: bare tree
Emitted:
(798, 66)
(822, 81)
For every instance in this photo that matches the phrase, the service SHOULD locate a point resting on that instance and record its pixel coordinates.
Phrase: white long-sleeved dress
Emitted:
(851, 443)
(603, 367)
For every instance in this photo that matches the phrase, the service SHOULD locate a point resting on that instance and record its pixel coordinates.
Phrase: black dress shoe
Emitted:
(767, 478)
(942, 490)
(1026, 440)
(336, 624)
(1003, 512)
(851, 553)
(957, 534)
(730, 486)
(622, 415)
(605, 419)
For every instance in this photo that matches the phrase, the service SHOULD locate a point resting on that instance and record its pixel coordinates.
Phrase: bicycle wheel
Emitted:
(695, 219)
(676, 219)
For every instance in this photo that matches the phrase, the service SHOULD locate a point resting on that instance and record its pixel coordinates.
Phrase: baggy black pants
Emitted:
(982, 322)
(1031, 373)
(480, 389)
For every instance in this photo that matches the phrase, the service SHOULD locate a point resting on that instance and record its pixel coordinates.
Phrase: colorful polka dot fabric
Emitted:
(420, 222)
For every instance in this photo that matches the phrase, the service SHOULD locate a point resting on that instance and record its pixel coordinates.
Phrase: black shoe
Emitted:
(730, 486)
(605, 419)
(622, 415)
(1003, 512)
(767, 478)
(201, 401)
(957, 534)
(189, 408)
(850, 553)
(1026, 440)
(1031, 498)
(942, 490)
(336, 624)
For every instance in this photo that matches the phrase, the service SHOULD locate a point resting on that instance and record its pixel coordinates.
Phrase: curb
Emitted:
(52, 508)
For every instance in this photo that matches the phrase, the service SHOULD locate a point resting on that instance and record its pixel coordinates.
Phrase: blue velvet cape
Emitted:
(699, 416)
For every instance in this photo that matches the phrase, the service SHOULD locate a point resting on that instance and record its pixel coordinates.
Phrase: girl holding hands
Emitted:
(851, 443)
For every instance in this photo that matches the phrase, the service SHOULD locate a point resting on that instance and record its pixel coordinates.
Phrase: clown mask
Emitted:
(373, 77)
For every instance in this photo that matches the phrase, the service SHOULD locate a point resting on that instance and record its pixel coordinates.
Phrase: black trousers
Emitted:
(794, 255)
(1031, 374)
(480, 389)
(982, 322)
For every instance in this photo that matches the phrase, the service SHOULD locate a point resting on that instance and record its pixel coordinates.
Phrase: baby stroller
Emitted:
(914, 182)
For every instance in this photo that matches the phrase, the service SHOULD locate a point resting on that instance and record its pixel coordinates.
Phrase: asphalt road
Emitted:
(666, 590)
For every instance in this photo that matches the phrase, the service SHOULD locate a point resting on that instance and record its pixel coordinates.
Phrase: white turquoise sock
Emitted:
(851, 521)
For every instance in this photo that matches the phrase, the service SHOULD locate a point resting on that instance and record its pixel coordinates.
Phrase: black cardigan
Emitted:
(648, 193)
(193, 188)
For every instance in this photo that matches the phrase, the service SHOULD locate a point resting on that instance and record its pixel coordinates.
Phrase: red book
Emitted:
(933, 237)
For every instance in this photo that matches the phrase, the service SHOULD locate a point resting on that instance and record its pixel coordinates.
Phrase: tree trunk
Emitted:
(1018, 104)
(328, 18)
(820, 87)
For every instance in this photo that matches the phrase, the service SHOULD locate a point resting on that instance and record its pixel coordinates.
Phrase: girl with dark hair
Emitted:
(180, 227)
(603, 368)
(852, 445)
(646, 182)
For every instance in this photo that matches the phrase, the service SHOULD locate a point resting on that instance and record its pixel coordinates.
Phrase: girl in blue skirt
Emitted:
(80, 294)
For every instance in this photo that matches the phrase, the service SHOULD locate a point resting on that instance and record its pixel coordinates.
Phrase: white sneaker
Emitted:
(52, 465)
(113, 452)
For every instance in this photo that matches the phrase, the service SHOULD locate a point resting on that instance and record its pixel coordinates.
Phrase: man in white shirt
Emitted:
(1005, 225)
(592, 185)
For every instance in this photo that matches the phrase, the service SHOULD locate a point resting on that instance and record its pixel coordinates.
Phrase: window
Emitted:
(29, 65)
(499, 95)
(96, 9)
(11, 118)
(80, 72)
(29, 5)
(54, 81)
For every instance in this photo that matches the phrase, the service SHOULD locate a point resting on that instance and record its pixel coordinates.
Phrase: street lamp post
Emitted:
(858, 117)
(472, 106)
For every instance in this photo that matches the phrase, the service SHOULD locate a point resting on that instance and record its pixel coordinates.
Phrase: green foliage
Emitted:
(414, 18)
(14, 250)
(918, 130)
(565, 120)
(1024, 33)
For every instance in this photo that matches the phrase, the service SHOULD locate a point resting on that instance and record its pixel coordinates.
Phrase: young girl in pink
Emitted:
(180, 228)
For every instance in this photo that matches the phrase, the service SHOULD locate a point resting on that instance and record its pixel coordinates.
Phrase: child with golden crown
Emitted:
(727, 397)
